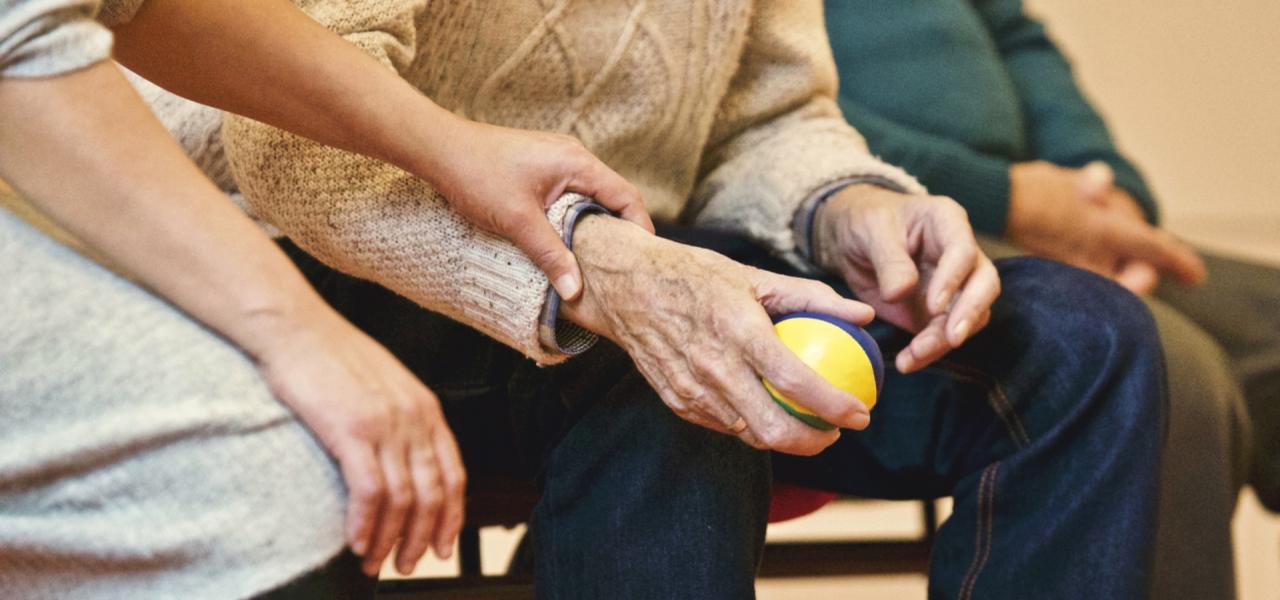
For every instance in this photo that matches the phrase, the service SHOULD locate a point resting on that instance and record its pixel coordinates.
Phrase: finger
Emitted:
(1138, 277)
(453, 478)
(428, 495)
(781, 295)
(1094, 182)
(1157, 247)
(771, 426)
(365, 492)
(724, 419)
(614, 192)
(711, 408)
(399, 499)
(983, 320)
(959, 261)
(793, 379)
(979, 293)
(927, 346)
(540, 242)
(896, 272)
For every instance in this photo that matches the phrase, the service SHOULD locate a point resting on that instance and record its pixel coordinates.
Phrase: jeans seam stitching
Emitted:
(996, 397)
(982, 544)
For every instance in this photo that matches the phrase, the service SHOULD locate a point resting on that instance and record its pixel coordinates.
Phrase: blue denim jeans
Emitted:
(1046, 428)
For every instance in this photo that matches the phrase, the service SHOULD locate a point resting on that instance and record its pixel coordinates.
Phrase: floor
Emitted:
(1257, 533)
(1257, 552)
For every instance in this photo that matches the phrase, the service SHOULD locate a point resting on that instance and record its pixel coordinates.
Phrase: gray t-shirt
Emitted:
(45, 38)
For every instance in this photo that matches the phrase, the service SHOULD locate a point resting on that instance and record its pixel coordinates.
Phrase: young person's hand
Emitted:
(697, 326)
(404, 475)
(1079, 217)
(913, 258)
(280, 67)
(504, 179)
(121, 185)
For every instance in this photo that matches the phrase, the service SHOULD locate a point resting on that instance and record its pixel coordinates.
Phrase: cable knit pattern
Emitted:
(721, 111)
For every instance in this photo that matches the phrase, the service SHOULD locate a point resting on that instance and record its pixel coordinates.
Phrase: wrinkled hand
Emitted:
(913, 258)
(503, 180)
(385, 428)
(697, 326)
(1079, 217)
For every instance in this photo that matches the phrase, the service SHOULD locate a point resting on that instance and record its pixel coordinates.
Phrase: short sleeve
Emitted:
(46, 38)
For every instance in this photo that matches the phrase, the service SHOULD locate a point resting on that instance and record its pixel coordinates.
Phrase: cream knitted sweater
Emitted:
(722, 112)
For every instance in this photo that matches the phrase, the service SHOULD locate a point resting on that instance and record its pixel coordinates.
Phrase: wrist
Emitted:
(264, 328)
(606, 248)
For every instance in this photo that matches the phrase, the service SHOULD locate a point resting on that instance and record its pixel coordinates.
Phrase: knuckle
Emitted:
(431, 502)
(706, 367)
(456, 486)
(773, 435)
(818, 289)
(400, 497)
(370, 424)
(686, 388)
(369, 490)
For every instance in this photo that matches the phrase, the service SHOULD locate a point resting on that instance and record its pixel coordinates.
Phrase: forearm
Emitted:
(113, 177)
(267, 60)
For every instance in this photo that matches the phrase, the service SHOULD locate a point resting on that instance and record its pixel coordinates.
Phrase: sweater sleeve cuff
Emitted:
(803, 222)
(980, 184)
(556, 335)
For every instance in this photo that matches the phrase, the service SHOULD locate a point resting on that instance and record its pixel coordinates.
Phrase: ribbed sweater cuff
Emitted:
(556, 335)
(979, 183)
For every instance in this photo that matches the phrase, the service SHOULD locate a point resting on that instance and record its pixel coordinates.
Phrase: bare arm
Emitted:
(275, 65)
(86, 151)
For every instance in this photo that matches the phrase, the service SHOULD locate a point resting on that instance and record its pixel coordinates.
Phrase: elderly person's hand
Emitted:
(1079, 217)
(913, 258)
(697, 325)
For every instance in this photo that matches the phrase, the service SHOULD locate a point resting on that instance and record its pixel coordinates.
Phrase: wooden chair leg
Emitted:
(469, 552)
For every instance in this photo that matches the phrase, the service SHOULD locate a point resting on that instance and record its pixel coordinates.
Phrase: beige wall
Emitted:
(1192, 91)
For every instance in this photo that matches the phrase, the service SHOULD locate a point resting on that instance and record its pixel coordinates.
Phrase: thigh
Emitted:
(140, 454)
(1239, 307)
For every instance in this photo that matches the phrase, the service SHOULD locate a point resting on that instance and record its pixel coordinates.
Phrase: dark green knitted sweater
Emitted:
(955, 91)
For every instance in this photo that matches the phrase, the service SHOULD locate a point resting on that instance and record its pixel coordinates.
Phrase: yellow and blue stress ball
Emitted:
(841, 352)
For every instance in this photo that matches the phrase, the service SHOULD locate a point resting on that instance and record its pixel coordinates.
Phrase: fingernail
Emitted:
(961, 330)
(940, 301)
(359, 547)
(567, 286)
(861, 420)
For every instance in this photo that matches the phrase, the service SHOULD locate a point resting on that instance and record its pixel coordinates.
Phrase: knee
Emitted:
(1075, 311)
(1085, 333)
